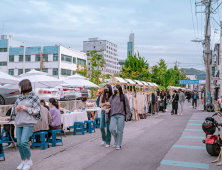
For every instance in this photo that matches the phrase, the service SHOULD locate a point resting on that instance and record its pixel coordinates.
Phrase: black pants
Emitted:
(174, 111)
(188, 100)
(194, 102)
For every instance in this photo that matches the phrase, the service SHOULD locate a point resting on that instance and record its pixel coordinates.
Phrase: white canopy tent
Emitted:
(7, 79)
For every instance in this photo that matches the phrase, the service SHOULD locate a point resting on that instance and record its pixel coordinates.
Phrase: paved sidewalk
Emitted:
(189, 152)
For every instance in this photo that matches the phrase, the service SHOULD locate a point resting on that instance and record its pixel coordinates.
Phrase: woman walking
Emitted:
(175, 102)
(163, 99)
(106, 136)
(120, 111)
(26, 112)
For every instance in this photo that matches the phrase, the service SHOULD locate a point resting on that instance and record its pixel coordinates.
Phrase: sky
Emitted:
(163, 29)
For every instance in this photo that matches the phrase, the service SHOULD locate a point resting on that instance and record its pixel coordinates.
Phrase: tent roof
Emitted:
(130, 81)
(138, 82)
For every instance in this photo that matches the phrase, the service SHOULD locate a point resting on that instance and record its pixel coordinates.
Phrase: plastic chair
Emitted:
(5, 136)
(97, 122)
(54, 141)
(105, 124)
(88, 126)
(2, 155)
(42, 143)
(76, 128)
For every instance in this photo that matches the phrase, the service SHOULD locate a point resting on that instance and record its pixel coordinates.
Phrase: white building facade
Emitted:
(58, 61)
(109, 52)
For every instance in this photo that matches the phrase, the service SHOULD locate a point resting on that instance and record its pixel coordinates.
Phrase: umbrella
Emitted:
(78, 81)
(7, 79)
(38, 79)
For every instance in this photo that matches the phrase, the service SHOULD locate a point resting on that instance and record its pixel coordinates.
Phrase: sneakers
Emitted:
(103, 143)
(21, 165)
(107, 146)
(181, 114)
(195, 108)
(178, 114)
(118, 147)
(114, 144)
(12, 145)
(27, 165)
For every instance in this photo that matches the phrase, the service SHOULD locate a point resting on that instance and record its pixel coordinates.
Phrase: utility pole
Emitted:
(220, 60)
(207, 50)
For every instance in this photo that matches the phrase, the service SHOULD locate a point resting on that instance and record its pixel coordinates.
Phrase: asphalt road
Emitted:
(147, 144)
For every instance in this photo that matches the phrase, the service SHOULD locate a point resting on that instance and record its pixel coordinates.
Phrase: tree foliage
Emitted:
(97, 62)
(136, 67)
(82, 70)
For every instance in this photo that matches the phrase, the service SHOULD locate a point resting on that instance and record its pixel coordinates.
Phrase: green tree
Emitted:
(97, 62)
(136, 67)
(82, 70)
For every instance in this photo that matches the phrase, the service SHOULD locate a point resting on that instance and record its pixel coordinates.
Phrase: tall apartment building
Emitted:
(109, 52)
(130, 45)
(58, 61)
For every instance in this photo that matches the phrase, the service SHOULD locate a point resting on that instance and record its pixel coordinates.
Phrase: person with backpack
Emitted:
(106, 136)
(120, 112)
(195, 96)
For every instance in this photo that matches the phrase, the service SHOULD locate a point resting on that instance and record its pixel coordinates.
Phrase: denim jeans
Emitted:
(119, 121)
(106, 136)
(23, 134)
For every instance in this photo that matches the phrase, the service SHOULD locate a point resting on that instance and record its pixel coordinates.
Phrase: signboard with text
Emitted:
(192, 81)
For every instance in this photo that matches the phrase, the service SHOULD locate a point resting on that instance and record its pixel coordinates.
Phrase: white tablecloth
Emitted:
(97, 110)
(69, 119)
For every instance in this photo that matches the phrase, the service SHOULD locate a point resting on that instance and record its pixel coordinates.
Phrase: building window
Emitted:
(45, 70)
(81, 61)
(20, 71)
(27, 57)
(94, 46)
(74, 60)
(55, 72)
(45, 57)
(11, 72)
(11, 58)
(55, 57)
(65, 72)
(3, 63)
(27, 70)
(66, 58)
(37, 69)
(20, 58)
(3, 49)
(37, 57)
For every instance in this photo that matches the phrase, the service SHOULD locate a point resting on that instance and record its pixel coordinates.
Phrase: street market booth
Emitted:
(145, 86)
(118, 81)
(139, 85)
(131, 84)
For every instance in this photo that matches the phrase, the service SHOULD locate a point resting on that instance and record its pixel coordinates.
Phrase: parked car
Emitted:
(78, 93)
(47, 93)
(8, 96)
(66, 92)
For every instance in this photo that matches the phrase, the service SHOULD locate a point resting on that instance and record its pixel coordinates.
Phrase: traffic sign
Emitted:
(201, 75)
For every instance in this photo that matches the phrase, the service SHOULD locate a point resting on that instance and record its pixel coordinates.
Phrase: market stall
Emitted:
(118, 81)
(139, 85)
(131, 85)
